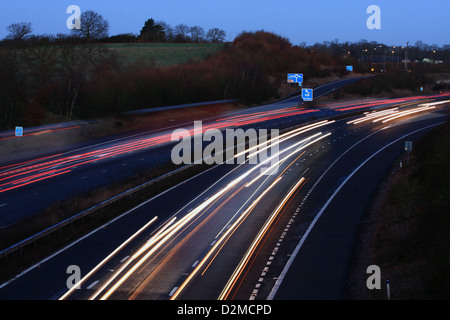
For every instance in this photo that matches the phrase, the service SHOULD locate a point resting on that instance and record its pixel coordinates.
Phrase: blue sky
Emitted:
(307, 21)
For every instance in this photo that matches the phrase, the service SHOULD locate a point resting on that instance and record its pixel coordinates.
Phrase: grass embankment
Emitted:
(163, 54)
(407, 234)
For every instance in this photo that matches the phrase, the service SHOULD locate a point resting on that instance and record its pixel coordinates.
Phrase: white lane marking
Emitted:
(92, 285)
(319, 214)
(173, 291)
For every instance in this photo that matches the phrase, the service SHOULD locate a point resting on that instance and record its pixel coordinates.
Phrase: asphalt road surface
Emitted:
(237, 232)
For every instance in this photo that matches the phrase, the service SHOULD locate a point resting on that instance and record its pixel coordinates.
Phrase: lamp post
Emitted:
(406, 56)
(362, 55)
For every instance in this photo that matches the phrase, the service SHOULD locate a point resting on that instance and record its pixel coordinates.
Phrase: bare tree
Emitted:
(76, 65)
(197, 33)
(41, 64)
(168, 30)
(181, 33)
(216, 35)
(19, 31)
(93, 26)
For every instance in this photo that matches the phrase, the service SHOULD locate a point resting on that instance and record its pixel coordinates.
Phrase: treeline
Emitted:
(39, 81)
(94, 28)
(365, 51)
(399, 68)
(161, 31)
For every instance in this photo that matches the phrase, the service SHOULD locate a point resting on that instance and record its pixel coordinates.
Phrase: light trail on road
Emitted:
(17, 175)
(394, 113)
(251, 250)
(108, 258)
(25, 173)
(174, 228)
(221, 240)
(216, 220)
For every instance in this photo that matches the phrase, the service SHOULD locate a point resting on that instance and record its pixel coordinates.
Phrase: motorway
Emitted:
(75, 170)
(235, 231)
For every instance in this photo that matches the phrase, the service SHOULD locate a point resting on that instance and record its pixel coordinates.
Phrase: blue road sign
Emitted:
(19, 131)
(295, 78)
(349, 68)
(307, 94)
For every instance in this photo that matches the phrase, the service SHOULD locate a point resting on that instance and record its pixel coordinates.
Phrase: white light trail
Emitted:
(404, 113)
(128, 262)
(373, 115)
(238, 271)
(108, 258)
(165, 235)
(219, 242)
(434, 103)
(290, 134)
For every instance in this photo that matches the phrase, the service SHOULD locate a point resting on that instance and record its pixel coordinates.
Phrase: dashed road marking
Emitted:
(92, 285)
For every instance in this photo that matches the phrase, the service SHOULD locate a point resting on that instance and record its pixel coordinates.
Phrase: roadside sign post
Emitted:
(408, 148)
(295, 78)
(307, 94)
(18, 133)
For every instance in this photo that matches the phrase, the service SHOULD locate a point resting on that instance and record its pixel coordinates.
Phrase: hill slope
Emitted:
(163, 54)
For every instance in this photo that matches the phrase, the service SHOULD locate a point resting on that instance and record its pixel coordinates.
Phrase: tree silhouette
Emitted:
(181, 33)
(19, 31)
(93, 26)
(215, 35)
(197, 33)
(152, 32)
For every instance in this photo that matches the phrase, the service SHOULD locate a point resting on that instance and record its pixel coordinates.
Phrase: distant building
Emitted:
(427, 60)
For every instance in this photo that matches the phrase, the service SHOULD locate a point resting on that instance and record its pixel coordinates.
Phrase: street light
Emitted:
(362, 55)
(406, 56)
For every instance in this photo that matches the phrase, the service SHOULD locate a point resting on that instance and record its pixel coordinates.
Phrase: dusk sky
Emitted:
(307, 21)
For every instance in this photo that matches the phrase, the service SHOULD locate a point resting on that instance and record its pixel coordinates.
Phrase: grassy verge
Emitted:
(407, 231)
(163, 54)
(50, 141)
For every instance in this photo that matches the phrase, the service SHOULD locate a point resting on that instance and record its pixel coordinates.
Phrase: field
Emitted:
(163, 54)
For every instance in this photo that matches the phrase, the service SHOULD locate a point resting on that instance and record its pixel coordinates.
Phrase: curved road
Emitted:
(231, 233)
